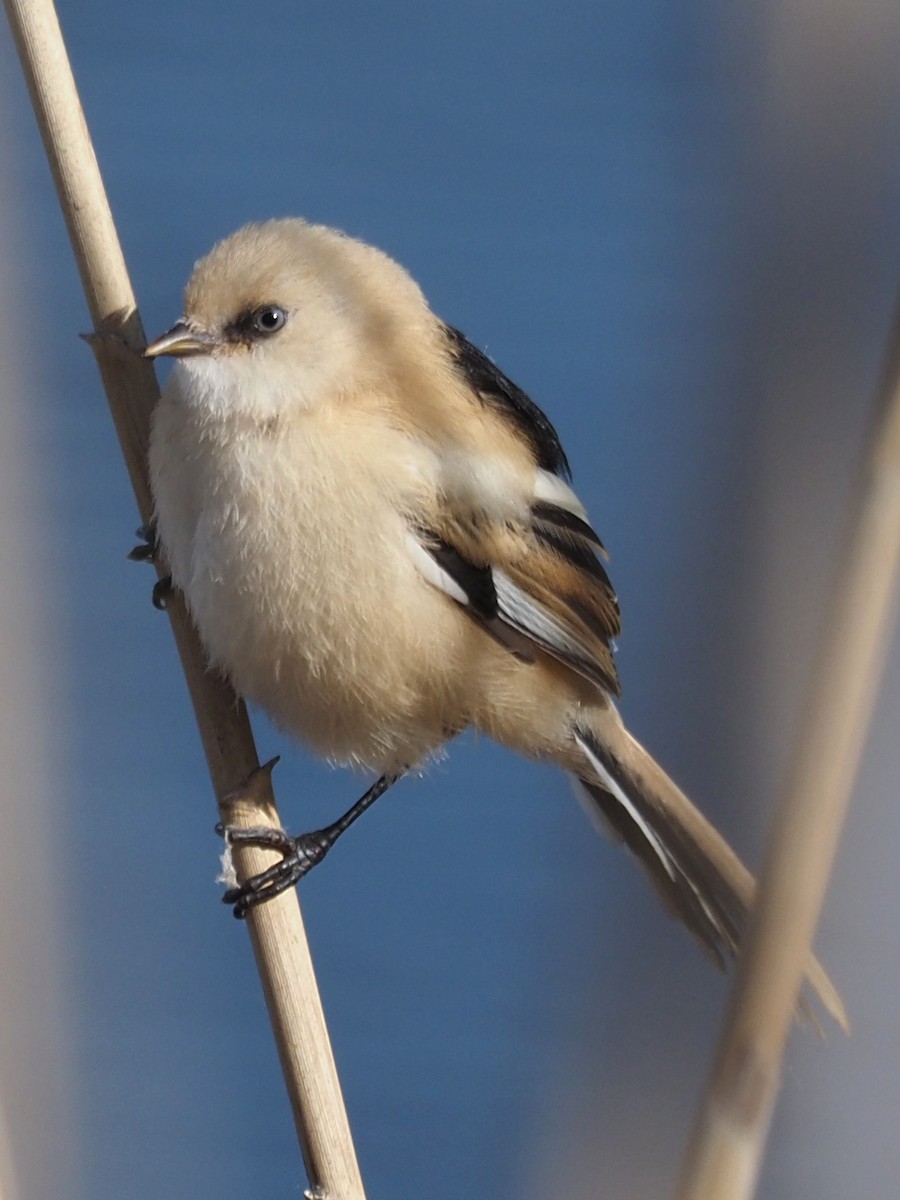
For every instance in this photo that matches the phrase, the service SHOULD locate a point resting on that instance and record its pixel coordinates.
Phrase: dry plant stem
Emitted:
(276, 929)
(729, 1139)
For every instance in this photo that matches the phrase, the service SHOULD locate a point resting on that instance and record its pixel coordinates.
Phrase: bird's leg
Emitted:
(300, 854)
(148, 551)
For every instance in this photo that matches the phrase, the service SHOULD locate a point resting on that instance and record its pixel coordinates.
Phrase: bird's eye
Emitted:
(268, 320)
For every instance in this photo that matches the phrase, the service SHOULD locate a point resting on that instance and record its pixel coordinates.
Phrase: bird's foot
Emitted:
(299, 855)
(148, 551)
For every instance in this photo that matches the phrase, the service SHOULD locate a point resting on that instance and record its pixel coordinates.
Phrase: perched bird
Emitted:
(375, 535)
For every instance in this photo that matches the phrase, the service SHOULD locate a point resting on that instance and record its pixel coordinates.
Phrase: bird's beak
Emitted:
(181, 340)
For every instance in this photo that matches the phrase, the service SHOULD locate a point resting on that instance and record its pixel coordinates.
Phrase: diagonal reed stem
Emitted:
(728, 1142)
(276, 929)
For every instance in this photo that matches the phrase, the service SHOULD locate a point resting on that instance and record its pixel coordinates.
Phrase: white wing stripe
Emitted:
(433, 572)
(517, 607)
(552, 490)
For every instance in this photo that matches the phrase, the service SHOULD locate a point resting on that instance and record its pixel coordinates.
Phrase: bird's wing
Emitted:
(499, 393)
(531, 577)
(536, 583)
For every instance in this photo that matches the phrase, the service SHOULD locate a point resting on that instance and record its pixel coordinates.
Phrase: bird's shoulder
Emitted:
(497, 391)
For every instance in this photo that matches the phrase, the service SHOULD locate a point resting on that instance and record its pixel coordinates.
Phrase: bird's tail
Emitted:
(699, 877)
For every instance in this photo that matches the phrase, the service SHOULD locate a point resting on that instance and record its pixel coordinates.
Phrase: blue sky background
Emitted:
(675, 225)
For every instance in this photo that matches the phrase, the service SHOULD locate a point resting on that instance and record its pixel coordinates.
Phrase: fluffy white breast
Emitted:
(289, 540)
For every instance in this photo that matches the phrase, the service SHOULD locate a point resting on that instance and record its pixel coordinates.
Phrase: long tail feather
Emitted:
(696, 873)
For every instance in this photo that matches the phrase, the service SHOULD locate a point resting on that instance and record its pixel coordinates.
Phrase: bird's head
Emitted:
(287, 314)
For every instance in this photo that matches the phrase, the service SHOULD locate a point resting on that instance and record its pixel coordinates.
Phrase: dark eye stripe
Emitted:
(256, 324)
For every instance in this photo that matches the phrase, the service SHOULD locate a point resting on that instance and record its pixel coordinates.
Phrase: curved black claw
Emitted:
(162, 590)
(148, 550)
(299, 855)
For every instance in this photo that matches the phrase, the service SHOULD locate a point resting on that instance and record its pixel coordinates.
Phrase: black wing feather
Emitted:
(477, 583)
(564, 518)
(493, 387)
(578, 553)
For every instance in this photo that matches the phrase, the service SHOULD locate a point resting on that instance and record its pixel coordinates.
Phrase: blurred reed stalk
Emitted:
(36, 1009)
(9, 1179)
(728, 1142)
(276, 928)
